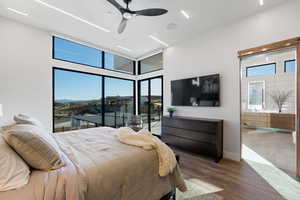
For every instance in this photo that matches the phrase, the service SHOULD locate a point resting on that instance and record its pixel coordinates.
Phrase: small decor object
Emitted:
(135, 122)
(280, 97)
(171, 111)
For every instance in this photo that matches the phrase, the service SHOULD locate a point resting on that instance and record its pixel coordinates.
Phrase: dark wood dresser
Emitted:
(197, 135)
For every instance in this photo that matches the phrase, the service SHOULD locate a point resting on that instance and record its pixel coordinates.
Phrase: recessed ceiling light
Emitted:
(158, 40)
(261, 2)
(185, 14)
(18, 12)
(171, 26)
(72, 15)
(124, 48)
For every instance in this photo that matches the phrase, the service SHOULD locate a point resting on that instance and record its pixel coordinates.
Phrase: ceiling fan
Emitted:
(128, 14)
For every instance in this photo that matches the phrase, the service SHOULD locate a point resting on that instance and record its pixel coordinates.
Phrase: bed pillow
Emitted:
(36, 146)
(26, 119)
(6, 127)
(14, 172)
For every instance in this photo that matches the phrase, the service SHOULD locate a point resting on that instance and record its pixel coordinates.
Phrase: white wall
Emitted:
(216, 52)
(25, 77)
(26, 71)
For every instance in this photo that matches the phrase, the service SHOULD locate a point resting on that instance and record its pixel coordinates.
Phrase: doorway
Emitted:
(150, 103)
(270, 111)
(268, 107)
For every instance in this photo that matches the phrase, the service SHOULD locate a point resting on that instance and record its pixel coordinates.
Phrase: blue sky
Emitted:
(70, 51)
(290, 66)
(76, 86)
(268, 69)
(156, 86)
(80, 86)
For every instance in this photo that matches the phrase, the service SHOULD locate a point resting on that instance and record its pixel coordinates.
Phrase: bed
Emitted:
(98, 166)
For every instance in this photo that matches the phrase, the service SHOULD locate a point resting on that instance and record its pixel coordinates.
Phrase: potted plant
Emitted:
(171, 111)
(280, 98)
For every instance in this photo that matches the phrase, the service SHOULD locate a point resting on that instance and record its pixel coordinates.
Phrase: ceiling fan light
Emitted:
(127, 15)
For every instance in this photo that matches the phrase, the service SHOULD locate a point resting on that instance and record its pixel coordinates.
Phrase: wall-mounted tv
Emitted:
(198, 91)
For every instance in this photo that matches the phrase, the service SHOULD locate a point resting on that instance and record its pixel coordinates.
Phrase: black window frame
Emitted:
(149, 96)
(102, 57)
(254, 66)
(102, 87)
(139, 63)
(292, 60)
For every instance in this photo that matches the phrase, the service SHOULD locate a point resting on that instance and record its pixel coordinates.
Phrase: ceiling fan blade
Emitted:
(122, 25)
(117, 5)
(151, 12)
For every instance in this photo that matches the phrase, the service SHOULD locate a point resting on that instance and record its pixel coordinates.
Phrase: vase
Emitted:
(171, 114)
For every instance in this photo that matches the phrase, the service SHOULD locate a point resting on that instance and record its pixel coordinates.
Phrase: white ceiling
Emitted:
(205, 15)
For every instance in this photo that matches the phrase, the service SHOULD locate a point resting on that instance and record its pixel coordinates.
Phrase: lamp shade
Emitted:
(1, 111)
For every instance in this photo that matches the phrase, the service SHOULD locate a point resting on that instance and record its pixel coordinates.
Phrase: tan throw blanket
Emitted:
(145, 140)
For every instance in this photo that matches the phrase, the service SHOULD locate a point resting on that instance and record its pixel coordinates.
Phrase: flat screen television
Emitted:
(198, 91)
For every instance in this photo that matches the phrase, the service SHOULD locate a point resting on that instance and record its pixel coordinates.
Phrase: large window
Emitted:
(151, 103)
(151, 64)
(73, 52)
(117, 63)
(78, 101)
(267, 69)
(290, 66)
(119, 101)
(77, 53)
(256, 95)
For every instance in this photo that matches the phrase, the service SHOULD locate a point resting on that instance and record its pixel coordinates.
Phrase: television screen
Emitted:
(198, 91)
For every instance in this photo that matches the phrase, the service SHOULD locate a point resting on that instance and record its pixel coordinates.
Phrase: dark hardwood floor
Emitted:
(238, 179)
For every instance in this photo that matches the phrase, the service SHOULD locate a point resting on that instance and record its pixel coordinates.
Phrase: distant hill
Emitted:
(91, 100)
(73, 100)
(65, 100)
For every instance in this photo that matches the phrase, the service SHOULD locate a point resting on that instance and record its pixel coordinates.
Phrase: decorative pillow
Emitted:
(14, 172)
(35, 146)
(7, 127)
(26, 119)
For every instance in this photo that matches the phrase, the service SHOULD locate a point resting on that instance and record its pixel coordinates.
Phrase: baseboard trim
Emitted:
(232, 156)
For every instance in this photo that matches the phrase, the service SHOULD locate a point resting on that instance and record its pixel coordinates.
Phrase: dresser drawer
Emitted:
(193, 125)
(190, 145)
(192, 135)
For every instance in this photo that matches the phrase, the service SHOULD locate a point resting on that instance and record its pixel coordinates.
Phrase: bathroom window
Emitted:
(256, 95)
